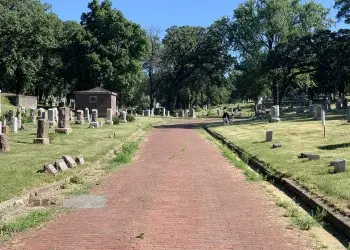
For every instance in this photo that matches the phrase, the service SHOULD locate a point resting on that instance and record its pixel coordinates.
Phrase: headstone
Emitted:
(43, 114)
(269, 134)
(345, 103)
(109, 117)
(79, 160)
(304, 155)
(94, 115)
(339, 165)
(31, 112)
(182, 113)
(348, 115)
(69, 161)
(300, 110)
(42, 133)
(51, 116)
(338, 104)
(55, 114)
(63, 121)
(0, 128)
(143, 113)
(317, 111)
(328, 106)
(71, 115)
(5, 129)
(19, 117)
(15, 124)
(311, 109)
(61, 165)
(193, 113)
(323, 118)
(4, 144)
(123, 117)
(277, 145)
(164, 112)
(275, 113)
(80, 117)
(168, 113)
(40, 111)
(313, 157)
(50, 169)
(87, 115)
(148, 112)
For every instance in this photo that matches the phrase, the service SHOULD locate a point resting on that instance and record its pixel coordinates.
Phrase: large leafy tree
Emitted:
(28, 37)
(258, 26)
(115, 60)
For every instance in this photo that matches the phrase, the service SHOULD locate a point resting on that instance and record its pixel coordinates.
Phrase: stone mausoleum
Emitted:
(96, 98)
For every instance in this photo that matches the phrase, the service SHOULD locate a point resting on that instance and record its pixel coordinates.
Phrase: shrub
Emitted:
(116, 120)
(130, 118)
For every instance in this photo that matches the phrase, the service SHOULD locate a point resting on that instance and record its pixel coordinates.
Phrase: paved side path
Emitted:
(180, 193)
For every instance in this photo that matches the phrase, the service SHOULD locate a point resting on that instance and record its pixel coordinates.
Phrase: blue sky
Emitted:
(164, 13)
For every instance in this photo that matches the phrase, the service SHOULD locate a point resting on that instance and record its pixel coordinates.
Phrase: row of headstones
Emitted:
(166, 113)
(84, 116)
(63, 164)
(339, 165)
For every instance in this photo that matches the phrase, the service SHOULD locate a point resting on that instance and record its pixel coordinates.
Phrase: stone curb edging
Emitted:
(16, 204)
(340, 222)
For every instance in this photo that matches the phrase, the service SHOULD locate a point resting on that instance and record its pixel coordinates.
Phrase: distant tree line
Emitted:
(274, 48)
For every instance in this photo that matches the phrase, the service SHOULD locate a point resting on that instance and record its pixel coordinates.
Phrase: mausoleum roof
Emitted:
(97, 90)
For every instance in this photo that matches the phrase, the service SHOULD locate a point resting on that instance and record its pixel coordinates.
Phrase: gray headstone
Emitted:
(69, 161)
(79, 160)
(61, 165)
(123, 117)
(50, 169)
(339, 165)
(269, 134)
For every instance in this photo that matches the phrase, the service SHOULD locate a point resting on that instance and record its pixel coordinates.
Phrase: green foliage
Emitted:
(76, 179)
(130, 118)
(116, 120)
(343, 7)
(125, 156)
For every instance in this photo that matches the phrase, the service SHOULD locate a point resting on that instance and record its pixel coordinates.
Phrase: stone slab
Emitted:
(69, 161)
(79, 160)
(50, 169)
(313, 157)
(85, 201)
(42, 141)
(61, 165)
(64, 130)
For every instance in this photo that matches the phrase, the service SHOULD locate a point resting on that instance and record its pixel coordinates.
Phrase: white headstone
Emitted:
(164, 111)
(323, 118)
(109, 119)
(15, 124)
(51, 116)
(87, 115)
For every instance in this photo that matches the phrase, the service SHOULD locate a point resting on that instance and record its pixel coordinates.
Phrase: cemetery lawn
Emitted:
(18, 168)
(300, 135)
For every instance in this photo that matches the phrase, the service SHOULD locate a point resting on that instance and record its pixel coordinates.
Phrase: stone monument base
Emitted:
(274, 120)
(64, 130)
(81, 122)
(41, 141)
(109, 122)
(95, 124)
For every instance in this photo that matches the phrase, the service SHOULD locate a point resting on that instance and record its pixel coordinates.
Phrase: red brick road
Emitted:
(180, 193)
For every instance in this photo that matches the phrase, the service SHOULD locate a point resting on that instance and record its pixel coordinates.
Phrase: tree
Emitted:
(343, 7)
(152, 61)
(115, 60)
(258, 26)
(27, 38)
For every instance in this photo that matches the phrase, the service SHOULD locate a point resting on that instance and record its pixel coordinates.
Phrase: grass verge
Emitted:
(31, 220)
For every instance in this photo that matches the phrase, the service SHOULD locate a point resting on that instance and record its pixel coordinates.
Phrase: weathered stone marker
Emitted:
(50, 169)
(275, 114)
(313, 157)
(192, 113)
(51, 115)
(80, 117)
(15, 124)
(69, 161)
(5, 130)
(164, 112)
(338, 104)
(109, 117)
(61, 165)
(87, 115)
(63, 121)
(123, 117)
(42, 133)
(317, 111)
(4, 143)
(94, 116)
(79, 160)
(269, 134)
(148, 112)
(339, 165)
(182, 113)
(168, 113)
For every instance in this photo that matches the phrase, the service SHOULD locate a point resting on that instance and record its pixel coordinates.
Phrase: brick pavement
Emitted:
(180, 193)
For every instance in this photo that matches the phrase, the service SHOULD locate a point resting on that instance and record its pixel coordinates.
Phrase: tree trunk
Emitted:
(151, 87)
(275, 92)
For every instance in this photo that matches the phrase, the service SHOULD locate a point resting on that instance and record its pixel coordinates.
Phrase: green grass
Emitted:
(125, 156)
(32, 220)
(18, 168)
(301, 135)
